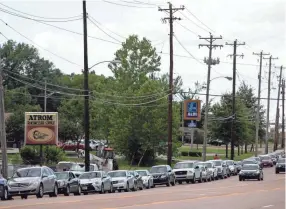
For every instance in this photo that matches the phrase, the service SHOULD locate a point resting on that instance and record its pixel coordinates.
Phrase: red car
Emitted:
(266, 161)
(72, 146)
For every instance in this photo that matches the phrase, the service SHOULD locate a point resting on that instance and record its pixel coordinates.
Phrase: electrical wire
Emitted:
(103, 30)
(29, 18)
(187, 29)
(188, 51)
(71, 62)
(4, 36)
(124, 5)
(198, 19)
(61, 18)
(193, 22)
(117, 34)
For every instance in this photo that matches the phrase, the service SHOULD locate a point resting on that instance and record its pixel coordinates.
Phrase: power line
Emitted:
(29, 18)
(4, 36)
(193, 22)
(71, 62)
(103, 30)
(187, 50)
(187, 29)
(60, 18)
(124, 5)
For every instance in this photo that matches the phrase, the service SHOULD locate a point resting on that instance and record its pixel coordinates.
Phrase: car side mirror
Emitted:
(137, 176)
(197, 167)
(169, 171)
(129, 176)
(103, 177)
(44, 176)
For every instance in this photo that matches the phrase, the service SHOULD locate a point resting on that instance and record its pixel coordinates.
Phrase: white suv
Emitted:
(185, 171)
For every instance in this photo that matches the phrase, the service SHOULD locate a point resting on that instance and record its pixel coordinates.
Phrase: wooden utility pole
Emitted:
(171, 19)
(276, 138)
(3, 129)
(86, 90)
(283, 115)
(209, 61)
(234, 55)
(261, 54)
(268, 103)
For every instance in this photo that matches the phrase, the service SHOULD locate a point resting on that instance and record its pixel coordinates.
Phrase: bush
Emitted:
(195, 154)
(51, 155)
(184, 153)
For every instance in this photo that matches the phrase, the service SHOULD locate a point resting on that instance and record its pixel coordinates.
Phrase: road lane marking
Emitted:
(181, 200)
(268, 206)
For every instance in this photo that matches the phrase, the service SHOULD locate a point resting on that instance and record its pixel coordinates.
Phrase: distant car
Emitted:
(228, 172)
(72, 146)
(68, 183)
(33, 181)
(280, 165)
(211, 166)
(79, 168)
(206, 173)
(221, 170)
(232, 167)
(266, 161)
(95, 181)
(147, 178)
(249, 161)
(4, 193)
(122, 180)
(185, 172)
(238, 165)
(250, 171)
(273, 158)
(138, 180)
(163, 174)
(258, 161)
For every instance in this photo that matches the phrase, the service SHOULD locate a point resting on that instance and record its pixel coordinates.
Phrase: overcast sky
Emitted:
(259, 23)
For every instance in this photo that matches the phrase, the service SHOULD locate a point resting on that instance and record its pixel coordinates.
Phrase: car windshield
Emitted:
(28, 172)
(184, 165)
(250, 167)
(265, 157)
(159, 169)
(142, 173)
(229, 162)
(115, 174)
(84, 176)
(62, 175)
(95, 175)
(217, 163)
(281, 160)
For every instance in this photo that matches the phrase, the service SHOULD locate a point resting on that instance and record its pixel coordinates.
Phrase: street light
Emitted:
(226, 77)
(206, 115)
(109, 61)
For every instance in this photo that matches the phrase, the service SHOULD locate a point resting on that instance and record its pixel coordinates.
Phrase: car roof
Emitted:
(188, 161)
(159, 166)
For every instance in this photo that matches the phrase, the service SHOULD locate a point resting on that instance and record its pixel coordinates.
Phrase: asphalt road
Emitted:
(222, 194)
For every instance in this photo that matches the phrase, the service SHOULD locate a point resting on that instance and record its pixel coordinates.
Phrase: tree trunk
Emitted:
(245, 148)
(238, 150)
(132, 159)
(141, 158)
(226, 151)
(241, 150)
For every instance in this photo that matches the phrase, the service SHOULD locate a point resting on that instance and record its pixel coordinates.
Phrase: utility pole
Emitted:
(268, 103)
(86, 90)
(183, 135)
(283, 115)
(209, 61)
(261, 54)
(276, 138)
(171, 19)
(234, 55)
(3, 129)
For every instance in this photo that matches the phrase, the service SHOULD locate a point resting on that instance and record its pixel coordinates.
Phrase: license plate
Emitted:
(84, 188)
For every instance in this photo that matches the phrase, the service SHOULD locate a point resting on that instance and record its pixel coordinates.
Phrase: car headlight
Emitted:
(163, 176)
(257, 172)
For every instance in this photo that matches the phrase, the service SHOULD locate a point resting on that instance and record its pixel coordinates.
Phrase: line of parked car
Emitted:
(43, 180)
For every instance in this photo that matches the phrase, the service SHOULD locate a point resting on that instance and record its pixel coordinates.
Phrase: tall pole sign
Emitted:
(192, 112)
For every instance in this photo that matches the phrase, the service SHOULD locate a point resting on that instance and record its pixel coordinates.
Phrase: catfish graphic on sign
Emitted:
(39, 135)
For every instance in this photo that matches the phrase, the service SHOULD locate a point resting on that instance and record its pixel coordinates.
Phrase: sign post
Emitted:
(41, 128)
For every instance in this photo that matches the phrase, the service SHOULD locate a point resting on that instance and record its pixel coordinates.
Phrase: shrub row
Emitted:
(191, 154)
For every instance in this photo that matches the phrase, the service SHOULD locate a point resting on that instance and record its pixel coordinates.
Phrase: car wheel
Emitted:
(5, 195)
(102, 189)
(55, 192)
(141, 187)
(194, 179)
(168, 183)
(78, 191)
(149, 185)
(85, 193)
(240, 179)
(40, 193)
(187, 181)
(276, 171)
(201, 179)
(127, 187)
(67, 192)
(258, 178)
(174, 182)
(135, 187)
(111, 190)
(180, 182)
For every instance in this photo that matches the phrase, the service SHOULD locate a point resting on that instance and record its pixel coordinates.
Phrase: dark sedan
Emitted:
(68, 183)
(250, 171)
(266, 160)
(280, 165)
(163, 174)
